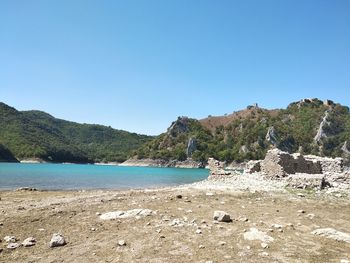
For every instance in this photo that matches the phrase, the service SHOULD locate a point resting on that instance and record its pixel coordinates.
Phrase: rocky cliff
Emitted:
(308, 126)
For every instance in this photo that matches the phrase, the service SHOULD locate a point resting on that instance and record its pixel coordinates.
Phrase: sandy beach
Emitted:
(179, 228)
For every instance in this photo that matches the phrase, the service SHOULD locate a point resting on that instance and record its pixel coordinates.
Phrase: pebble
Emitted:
(310, 216)
(198, 231)
(300, 195)
(264, 245)
(301, 211)
(222, 243)
(276, 226)
(178, 196)
(57, 240)
(201, 246)
(121, 243)
(28, 242)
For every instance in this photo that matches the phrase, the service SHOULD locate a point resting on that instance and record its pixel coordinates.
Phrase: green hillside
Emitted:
(249, 133)
(36, 134)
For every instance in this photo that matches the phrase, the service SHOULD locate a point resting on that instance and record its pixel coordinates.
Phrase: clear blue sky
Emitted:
(137, 65)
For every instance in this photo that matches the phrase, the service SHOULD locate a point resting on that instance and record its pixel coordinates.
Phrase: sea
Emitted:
(48, 176)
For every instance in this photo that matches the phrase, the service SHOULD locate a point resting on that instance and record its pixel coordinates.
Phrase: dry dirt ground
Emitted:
(74, 214)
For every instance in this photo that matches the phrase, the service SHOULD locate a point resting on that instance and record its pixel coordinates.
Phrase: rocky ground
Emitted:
(176, 225)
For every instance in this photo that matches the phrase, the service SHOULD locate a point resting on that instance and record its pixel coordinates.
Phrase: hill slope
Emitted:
(36, 134)
(309, 126)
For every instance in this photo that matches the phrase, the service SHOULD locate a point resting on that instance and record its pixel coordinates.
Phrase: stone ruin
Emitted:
(300, 171)
(307, 171)
(217, 169)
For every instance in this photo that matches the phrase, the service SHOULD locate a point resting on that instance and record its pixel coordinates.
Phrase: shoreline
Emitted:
(178, 228)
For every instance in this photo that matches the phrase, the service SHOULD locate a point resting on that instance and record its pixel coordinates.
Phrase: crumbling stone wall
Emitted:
(217, 169)
(281, 164)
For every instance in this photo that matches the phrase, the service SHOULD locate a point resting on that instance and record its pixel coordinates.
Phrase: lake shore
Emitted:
(179, 229)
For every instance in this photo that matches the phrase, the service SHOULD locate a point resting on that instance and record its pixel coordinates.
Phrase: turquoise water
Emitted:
(76, 176)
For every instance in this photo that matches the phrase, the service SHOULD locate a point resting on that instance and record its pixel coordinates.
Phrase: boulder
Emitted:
(57, 240)
(222, 216)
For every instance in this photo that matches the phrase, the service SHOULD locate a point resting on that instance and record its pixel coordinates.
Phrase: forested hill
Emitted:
(309, 126)
(36, 134)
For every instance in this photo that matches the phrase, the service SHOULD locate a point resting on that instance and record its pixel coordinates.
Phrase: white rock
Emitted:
(332, 234)
(310, 216)
(57, 240)
(28, 242)
(276, 226)
(198, 231)
(222, 216)
(10, 239)
(121, 243)
(126, 214)
(13, 245)
(255, 234)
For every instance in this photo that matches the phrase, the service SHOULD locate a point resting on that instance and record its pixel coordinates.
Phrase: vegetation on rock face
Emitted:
(36, 134)
(244, 135)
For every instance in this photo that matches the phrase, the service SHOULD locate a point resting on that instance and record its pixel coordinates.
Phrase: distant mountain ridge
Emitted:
(308, 126)
(38, 135)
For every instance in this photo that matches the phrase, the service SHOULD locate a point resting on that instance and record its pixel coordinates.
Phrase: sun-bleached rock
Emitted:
(28, 242)
(331, 233)
(126, 214)
(57, 240)
(255, 234)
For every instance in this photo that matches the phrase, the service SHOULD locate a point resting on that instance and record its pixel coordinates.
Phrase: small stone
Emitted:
(209, 194)
(264, 245)
(198, 231)
(276, 226)
(310, 216)
(10, 239)
(121, 243)
(300, 195)
(270, 230)
(162, 236)
(178, 196)
(159, 230)
(98, 213)
(1, 249)
(1, 224)
(201, 246)
(301, 211)
(57, 240)
(222, 216)
(243, 219)
(222, 243)
(13, 245)
(93, 229)
(248, 247)
(28, 242)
